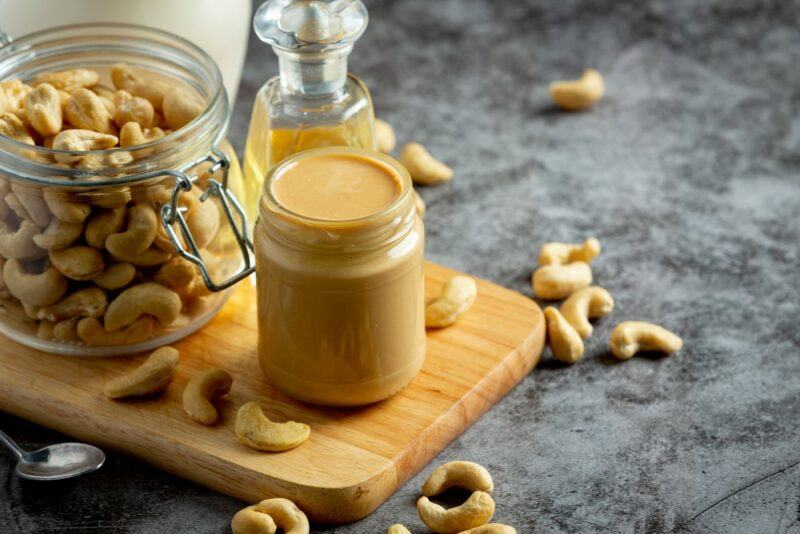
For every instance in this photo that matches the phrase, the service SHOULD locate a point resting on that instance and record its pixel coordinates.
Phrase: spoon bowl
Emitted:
(60, 461)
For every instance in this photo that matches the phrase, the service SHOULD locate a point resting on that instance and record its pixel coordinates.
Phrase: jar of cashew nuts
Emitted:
(119, 227)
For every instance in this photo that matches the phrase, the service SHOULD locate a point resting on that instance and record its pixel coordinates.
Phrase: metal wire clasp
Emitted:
(4, 38)
(172, 212)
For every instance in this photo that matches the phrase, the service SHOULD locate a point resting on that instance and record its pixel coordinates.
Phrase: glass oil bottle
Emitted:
(313, 102)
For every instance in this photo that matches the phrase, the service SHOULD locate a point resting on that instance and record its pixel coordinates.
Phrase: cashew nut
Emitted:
(457, 296)
(66, 330)
(129, 108)
(68, 79)
(80, 141)
(149, 258)
(251, 521)
(458, 474)
(58, 234)
(146, 298)
(87, 302)
(138, 236)
(91, 332)
(553, 282)
(152, 376)
(44, 330)
(78, 262)
(256, 431)
(19, 243)
(398, 529)
(123, 77)
(384, 135)
(424, 168)
(34, 205)
(178, 274)
(71, 212)
(282, 513)
(37, 289)
(201, 390)
(491, 528)
(104, 223)
(203, 220)
(43, 110)
(578, 94)
(132, 134)
(474, 512)
(630, 337)
(562, 253)
(566, 344)
(115, 276)
(86, 111)
(11, 126)
(180, 108)
(587, 303)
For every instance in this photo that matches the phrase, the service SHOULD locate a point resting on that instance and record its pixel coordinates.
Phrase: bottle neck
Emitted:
(313, 74)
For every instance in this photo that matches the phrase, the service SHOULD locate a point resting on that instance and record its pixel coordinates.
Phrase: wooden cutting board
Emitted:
(355, 459)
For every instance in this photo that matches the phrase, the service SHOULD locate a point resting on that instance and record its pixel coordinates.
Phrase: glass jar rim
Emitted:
(216, 109)
(405, 187)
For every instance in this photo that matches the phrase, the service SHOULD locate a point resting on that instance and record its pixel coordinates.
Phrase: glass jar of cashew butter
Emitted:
(339, 263)
(116, 190)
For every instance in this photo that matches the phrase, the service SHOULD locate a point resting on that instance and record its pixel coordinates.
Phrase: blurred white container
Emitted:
(220, 27)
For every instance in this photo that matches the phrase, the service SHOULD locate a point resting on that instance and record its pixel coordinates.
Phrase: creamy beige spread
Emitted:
(340, 282)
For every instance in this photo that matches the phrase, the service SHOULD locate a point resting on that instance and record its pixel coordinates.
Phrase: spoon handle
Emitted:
(11, 445)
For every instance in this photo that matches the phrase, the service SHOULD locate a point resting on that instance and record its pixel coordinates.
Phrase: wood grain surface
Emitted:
(356, 457)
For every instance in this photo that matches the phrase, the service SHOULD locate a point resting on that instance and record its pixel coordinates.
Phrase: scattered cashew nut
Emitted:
(282, 513)
(384, 135)
(398, 529)
(424, 168)
(147, 298)
(201, 390)
(458, 295)
(565, 343)
(574, 95)
(474, 512)
(562, 253)
(256, 431)
(458, 474)
(553, 282)
(491, 528)
(630, 337)
(152, 376)
(586, 303)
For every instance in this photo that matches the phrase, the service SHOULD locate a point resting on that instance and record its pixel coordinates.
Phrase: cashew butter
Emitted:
(339, 257)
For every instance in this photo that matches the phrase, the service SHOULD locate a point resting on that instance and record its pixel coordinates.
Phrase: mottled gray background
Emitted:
(688, 174)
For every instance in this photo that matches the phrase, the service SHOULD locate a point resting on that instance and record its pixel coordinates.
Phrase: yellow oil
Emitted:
(266, 147)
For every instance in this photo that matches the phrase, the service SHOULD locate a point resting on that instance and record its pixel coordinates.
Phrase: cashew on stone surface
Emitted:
(554, 282)
(477, 510)
(256, 431)
(554, 253)
(153, 376)
(385, 136)
(270, 514)
(574, 95)
(456, 298)
(398, 529)
(201, 390)
(631, 337)
(565, 343)
(424, 168)
(458, 474)
(586, 303)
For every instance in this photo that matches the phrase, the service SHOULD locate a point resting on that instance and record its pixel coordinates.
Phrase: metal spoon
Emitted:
(56, 462)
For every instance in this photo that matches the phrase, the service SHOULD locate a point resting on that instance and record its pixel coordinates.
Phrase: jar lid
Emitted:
(310, 25)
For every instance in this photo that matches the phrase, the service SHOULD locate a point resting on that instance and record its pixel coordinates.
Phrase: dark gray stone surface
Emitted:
(688, 174)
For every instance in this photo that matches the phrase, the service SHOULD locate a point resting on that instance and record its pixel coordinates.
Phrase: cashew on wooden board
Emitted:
(153, 376)
(457, 296)
(267, 516)
(201, 390)
(255, 430)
